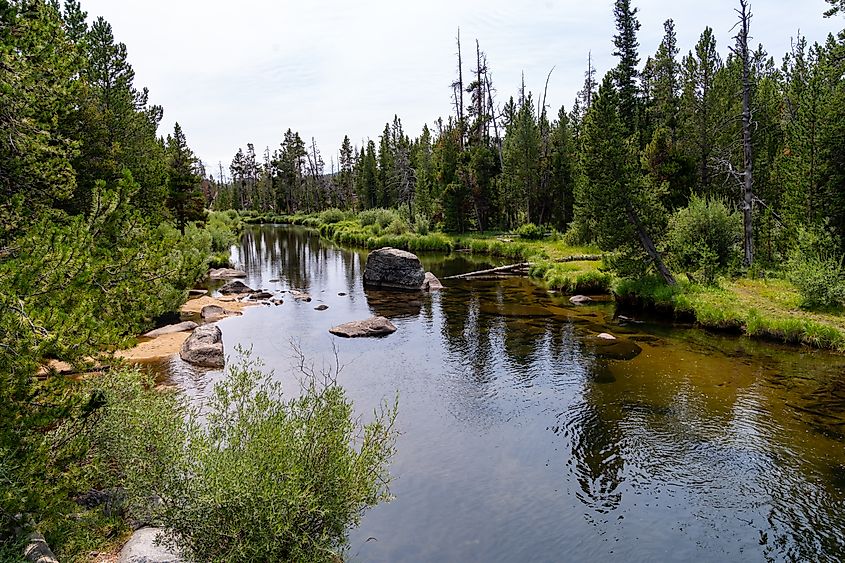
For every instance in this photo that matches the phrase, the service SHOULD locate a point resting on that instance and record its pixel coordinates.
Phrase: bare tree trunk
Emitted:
(748, 183)
(487, 80)
(461, 91)
(648, 245)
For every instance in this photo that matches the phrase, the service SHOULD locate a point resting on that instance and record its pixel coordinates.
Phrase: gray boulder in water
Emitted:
(235, 286)
(374, 326)
(580, 300)
(394, 269)
(142, 548)
(204, 347)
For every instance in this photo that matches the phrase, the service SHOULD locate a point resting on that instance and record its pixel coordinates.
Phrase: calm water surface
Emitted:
(521, 442)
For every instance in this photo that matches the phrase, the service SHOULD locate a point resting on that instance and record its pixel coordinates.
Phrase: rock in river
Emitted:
(235, 286)
(204, 347)
(431, 282)
(374, 326)
(613, 348)
(580, 300)
(225, 273)
(394, 269)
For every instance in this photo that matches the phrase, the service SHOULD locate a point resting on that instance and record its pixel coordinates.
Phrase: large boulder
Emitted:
(170, 329)
(225, 273)
(374, 326)
(142, 548)
(204, 347)
(235, 287)
(395, 269)
(580, 300)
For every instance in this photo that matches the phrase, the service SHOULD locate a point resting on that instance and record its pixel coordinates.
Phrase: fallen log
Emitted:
(512, 268)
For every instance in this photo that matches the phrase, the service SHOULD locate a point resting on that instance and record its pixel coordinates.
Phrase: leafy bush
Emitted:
(816, 270)
(381, 217)
(530, 231)
(332, 215)
(702, 238)
(255, 476)
(397, 227)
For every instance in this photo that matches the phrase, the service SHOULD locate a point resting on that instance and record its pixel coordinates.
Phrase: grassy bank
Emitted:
(766, 308)
(552, 257)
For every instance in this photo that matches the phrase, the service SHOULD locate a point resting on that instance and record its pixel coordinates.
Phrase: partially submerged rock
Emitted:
(321, 307)
(225, 273)
(170, 329)
(606, 336)
(374, 326)
(235, 286)
(394, 269)
(260, 295)
(204, 347)
(580, 300)
(431, 283)
(142, 548)
(300, 295)
(613, 348)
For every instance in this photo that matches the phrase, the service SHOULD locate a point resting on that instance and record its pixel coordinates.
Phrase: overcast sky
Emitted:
(237, 72)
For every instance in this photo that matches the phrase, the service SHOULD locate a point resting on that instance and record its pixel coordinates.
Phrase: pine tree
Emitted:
(699, 117)
(625, 74)
(185, 199)
(612, 194)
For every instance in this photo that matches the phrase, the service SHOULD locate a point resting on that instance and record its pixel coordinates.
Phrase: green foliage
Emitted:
(265, 477)
(702, 238)
(333, 215)
(817, 271)
(530, 231)
(379, 216)
(570, 278)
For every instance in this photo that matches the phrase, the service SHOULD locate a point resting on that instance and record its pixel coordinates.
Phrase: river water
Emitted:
(521, 440)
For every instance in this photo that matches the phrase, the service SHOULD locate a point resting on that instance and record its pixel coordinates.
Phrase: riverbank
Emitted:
(766, 309)
(564, 267)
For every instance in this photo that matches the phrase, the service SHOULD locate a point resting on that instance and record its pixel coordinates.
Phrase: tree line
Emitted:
(97, 241)
(763, 136)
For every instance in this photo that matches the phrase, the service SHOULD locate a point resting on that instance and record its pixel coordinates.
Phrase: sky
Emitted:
(233, 73)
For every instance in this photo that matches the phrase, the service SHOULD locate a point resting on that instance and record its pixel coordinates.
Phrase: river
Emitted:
(521, 442)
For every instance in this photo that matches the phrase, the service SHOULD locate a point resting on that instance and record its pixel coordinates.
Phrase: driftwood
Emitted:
(511, 268)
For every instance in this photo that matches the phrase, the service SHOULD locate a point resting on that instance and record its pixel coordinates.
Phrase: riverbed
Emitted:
(521, 440)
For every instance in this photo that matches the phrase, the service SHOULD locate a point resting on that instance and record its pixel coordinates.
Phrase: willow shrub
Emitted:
(702, 238)
(254, 476)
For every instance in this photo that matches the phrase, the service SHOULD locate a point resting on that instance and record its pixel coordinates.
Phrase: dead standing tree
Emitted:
(741, 50)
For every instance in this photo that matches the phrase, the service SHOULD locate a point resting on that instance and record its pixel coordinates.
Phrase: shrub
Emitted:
(530, 231)
(397, 227)
(816, 270)
(332, 215)
(702, 238)
(262, 478)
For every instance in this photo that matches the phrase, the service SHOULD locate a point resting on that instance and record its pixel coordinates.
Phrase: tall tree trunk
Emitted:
(648, 244)
(748, 181)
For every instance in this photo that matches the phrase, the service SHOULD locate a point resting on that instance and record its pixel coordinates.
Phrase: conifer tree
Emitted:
(625, 74)
(612, 193)
(185, 198)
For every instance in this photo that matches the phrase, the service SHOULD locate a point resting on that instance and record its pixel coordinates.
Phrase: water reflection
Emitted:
(522, 440)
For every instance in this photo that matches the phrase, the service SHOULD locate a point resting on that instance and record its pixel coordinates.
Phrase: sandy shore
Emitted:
(165, 345)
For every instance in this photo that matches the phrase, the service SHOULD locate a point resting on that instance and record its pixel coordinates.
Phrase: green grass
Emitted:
(766, 309)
